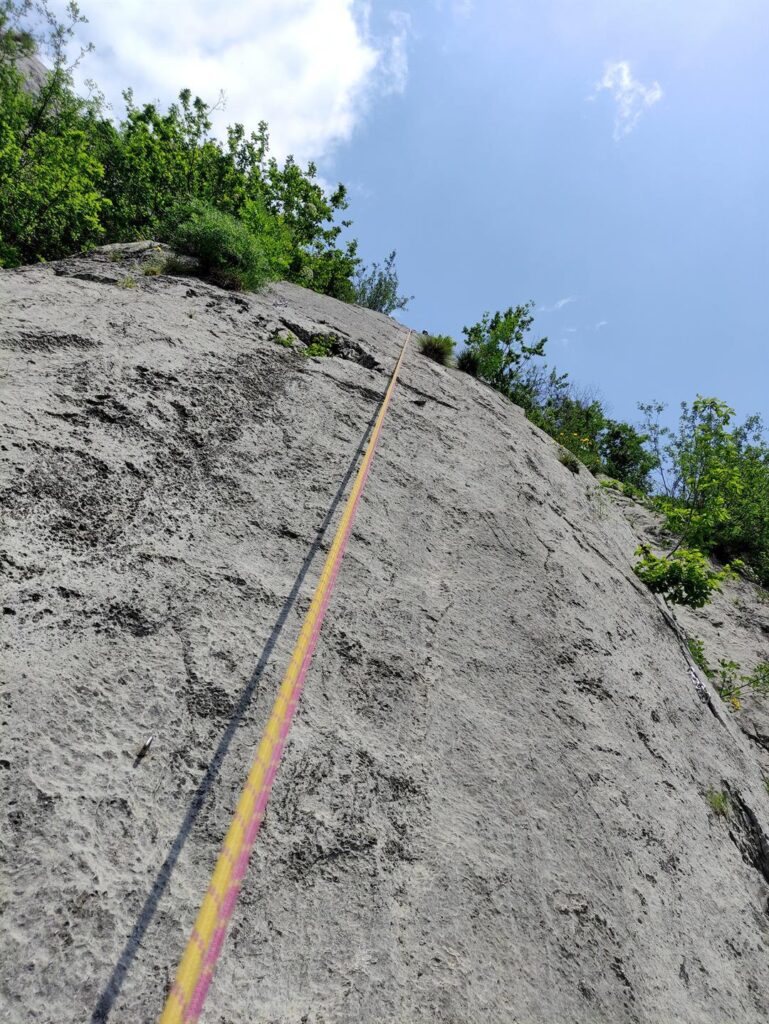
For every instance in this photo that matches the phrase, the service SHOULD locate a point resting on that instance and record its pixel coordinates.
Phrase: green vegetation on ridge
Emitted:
(498, 353)
(72, 178)
(709, 478)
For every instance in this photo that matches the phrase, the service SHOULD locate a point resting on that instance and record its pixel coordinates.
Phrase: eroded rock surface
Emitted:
(492, 807)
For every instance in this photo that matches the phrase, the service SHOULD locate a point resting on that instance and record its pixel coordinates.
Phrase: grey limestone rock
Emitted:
(493, 803)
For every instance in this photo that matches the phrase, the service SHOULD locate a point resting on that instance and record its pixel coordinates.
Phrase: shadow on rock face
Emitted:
(112, 989)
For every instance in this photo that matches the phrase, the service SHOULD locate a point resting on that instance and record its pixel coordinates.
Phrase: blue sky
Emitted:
(609, 160)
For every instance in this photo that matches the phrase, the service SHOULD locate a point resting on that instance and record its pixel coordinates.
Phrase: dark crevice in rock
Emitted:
(302, 860)
(703, 692)
(303, 333)
(346, 349)
(48, 341)
(84, 275)
(594, 687)
(758, 738)
(424, 394)
(368, 393)
(341, 346)
(747, 833)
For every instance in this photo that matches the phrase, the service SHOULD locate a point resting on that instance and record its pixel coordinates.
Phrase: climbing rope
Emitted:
(196, 969)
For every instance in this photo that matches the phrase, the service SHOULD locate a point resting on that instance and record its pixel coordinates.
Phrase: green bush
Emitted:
(759, 679)
(283, 340)
(727, 682)
(377, 288)
(682, 577)
(227, 251)
(575, 422)
(438, 347)
(320, 345)
(577, 419)
(499, 345)
(730, 684)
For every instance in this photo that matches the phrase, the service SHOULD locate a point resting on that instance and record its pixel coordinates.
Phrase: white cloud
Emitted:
(457, 8)
(600, 324)
(307, 67)
(631, 97)
(395, 62)
(558, 305)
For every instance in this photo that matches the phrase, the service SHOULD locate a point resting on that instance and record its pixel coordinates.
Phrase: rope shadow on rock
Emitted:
(114, 985)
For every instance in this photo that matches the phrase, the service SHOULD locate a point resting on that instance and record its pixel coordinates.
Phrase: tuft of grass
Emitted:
(468, 361)
(154, 269)
(719, 802)
(181, 265)
(438, 347)
(227, 252)
(568, 459)
(283, 339)
(127, 282)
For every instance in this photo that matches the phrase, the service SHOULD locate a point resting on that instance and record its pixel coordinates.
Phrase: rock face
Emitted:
(34, 71)
(493, 805)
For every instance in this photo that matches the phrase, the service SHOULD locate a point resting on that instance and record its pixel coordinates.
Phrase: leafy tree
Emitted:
(499, 348)
(575, 422)
(377, 288)
(624, 456)
(153, 159)
(683, 577)
(51, 199)
(69, 177)
(497, 353)
(715, 481)
(308, 216)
